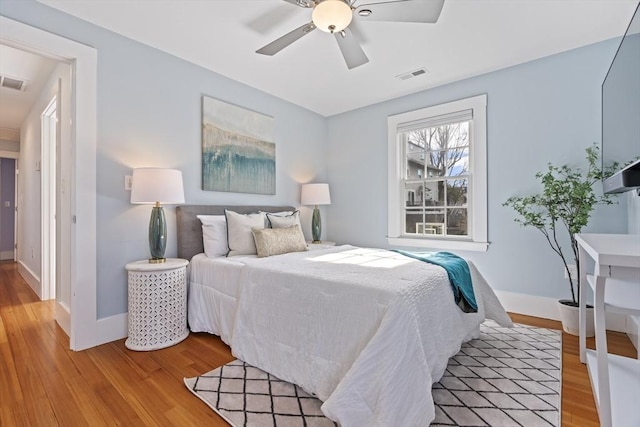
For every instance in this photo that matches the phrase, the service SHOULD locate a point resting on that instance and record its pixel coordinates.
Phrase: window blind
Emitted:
(441, 120)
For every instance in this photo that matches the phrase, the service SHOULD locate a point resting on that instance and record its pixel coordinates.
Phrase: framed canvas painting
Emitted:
(238, 152)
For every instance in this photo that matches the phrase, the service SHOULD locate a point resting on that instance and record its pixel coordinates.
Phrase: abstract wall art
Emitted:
(238, 151)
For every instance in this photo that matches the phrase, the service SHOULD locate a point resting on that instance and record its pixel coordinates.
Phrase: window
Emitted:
(437, 176)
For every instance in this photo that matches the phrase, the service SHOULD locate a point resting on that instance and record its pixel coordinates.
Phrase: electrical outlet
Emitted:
(572, 270)
(128, 180)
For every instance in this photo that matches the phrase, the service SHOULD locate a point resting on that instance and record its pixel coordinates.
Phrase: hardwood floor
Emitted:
(43, 383)
(578, 407)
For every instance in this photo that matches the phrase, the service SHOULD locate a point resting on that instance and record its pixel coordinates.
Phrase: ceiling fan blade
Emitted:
(353, 54)
(425, 11)
(301, 3)
(278, 44)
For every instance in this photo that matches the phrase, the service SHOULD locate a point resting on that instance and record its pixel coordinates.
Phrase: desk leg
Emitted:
(582, 304)
(604, 397)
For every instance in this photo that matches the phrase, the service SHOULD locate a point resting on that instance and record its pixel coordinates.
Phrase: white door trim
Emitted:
(83, 60)
(49, 136)
(15, 212)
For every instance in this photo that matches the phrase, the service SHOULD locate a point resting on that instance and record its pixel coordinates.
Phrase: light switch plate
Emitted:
(128, 179)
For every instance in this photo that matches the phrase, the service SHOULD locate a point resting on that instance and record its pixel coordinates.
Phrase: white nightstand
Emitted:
(157, 304)
(322, 245)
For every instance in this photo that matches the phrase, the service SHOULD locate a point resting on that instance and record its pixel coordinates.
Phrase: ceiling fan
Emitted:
(334, 16)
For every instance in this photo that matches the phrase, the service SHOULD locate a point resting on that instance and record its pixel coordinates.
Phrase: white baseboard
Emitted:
(547, 308)
(31, 278)
(6, 255)
(112, 328)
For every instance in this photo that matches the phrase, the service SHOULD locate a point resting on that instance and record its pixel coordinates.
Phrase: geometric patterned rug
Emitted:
(506, 377)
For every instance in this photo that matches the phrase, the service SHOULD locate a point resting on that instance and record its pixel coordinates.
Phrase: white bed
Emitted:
(366, 330)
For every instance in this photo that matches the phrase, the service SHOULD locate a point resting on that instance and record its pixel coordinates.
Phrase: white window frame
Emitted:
(477, 203)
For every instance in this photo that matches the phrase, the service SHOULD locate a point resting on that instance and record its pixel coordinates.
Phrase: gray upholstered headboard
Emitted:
(190, 227)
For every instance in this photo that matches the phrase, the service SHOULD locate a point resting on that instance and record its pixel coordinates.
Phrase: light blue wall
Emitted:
(546, 110)
(149, 114)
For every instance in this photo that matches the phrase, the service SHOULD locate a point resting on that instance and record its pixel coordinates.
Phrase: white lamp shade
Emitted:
(315, 194)
(151, 185)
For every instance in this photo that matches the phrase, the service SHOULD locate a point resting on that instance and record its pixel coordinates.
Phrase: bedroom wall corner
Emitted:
(546, 110)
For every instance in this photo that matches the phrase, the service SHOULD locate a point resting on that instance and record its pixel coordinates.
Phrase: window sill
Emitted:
(439, 244)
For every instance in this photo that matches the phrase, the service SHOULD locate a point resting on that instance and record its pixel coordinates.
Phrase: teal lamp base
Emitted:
(157, 235)
(316, 225)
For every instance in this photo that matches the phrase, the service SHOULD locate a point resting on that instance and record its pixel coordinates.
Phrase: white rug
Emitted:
(506, 377)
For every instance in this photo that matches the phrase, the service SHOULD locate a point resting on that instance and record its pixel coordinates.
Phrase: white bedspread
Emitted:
(366, 330)
(214, 286)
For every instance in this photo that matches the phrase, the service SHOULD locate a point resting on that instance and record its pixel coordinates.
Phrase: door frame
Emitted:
(49, 138)
(82, 186)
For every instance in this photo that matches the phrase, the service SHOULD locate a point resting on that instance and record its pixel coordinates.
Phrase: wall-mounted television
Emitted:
(621, 112)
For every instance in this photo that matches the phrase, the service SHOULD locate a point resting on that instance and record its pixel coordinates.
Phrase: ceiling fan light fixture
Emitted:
(332, 15)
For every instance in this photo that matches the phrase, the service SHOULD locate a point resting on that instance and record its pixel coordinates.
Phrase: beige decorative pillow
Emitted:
(276, 241)
(239, 232)
(283, 221)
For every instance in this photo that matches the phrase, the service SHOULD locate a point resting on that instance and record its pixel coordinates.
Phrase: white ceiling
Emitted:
(470, 38)
(15, 104)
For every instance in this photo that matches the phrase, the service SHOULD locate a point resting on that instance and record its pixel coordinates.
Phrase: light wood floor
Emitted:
(43, 383)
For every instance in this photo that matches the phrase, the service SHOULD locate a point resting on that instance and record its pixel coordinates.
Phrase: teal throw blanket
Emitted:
(459, 275)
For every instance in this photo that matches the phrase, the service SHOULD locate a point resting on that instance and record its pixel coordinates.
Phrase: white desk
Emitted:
(615, 380)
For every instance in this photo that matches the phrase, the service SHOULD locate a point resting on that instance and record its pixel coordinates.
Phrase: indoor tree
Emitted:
(564, 206)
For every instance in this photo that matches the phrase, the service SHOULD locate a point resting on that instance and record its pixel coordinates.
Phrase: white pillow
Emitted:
(214, 235)
(239, 235)
(283, 221)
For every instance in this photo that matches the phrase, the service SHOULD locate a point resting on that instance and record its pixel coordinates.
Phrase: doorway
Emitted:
(78, 161)
(7, 208)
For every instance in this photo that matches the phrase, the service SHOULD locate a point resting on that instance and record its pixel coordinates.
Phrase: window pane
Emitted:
(413, 219)
(415, 159)
(457, 222)
(434, 193)
(457, 161)
(457, 190)
(437, 165)
(455, 135)
(434, 221)
(414, 194)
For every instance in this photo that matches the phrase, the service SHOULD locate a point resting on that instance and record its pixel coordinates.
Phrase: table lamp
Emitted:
(315, 194)
(155, 186)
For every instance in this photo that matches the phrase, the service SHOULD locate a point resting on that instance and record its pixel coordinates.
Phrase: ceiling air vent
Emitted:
(414, 73)
(12, 83)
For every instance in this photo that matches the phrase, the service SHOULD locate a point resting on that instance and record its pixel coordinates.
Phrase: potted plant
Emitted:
(564, 206)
